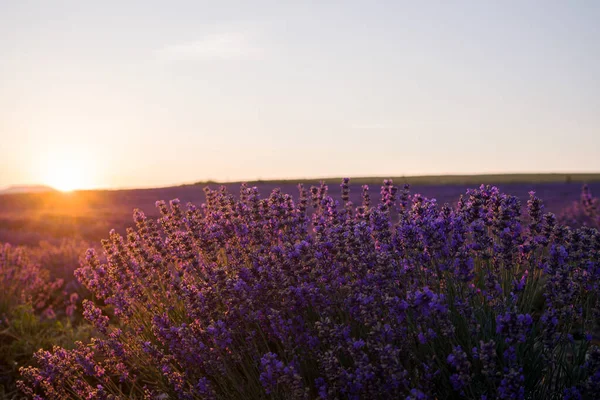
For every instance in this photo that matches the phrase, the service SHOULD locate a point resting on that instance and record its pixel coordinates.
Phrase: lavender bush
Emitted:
(60, 258)
(35, 312)
(585, 212)
(23, 281)
(250, 298)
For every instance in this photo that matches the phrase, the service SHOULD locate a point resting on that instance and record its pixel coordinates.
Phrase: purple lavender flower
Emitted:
(270, 298)
(461, 368)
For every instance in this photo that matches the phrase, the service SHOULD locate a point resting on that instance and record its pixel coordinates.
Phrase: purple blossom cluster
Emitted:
(310, 298)
(24, 282)
(31, 305)
(585, 212)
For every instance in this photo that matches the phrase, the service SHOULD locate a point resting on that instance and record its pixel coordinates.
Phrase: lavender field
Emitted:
(299, 200)
(318, 291)
(89, 215)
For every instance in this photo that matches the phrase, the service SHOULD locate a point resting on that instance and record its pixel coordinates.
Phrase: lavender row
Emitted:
(279, 298)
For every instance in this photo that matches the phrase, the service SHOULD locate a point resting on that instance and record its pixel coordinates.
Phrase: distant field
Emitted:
(90, 214)
(449, 179)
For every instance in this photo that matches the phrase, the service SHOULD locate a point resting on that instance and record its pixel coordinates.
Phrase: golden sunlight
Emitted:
(65, 176)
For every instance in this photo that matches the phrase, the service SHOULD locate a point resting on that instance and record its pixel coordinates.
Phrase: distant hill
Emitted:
(27, 189)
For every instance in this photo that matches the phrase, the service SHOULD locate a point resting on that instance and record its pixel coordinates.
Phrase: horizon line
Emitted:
(422, 179)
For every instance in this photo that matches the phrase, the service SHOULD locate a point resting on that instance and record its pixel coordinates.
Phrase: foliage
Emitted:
(256, 298)
(24, 334)
(23, 281)
(34, 313)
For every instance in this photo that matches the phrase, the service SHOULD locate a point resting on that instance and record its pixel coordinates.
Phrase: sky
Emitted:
(115, 94)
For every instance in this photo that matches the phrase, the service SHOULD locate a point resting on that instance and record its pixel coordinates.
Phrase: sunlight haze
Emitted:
(147, 93)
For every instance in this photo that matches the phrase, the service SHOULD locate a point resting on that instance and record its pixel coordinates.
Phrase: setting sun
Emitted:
(65, 177)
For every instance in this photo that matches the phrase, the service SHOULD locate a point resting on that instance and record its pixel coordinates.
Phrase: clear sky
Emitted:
(152, 93)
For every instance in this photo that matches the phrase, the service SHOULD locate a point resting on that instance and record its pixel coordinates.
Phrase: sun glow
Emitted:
(66, 177)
